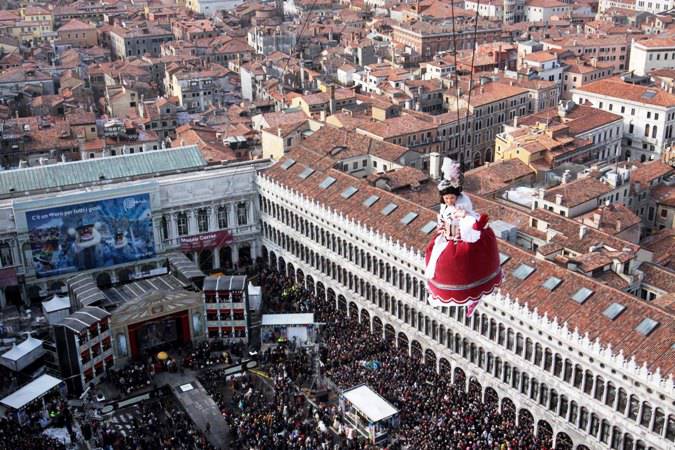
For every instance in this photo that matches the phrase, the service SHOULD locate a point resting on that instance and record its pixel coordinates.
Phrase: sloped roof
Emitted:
(90, 170)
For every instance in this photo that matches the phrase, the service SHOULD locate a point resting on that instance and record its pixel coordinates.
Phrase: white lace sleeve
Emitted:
(466, 231)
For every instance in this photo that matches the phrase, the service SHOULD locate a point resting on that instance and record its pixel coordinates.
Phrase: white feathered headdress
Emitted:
(452, 174)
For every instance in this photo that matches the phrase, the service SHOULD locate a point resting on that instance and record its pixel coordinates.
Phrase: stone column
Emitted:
(173, 226)
(213, 219)
(235, 255)
(192, 222)
(232, 215)
(216, 257)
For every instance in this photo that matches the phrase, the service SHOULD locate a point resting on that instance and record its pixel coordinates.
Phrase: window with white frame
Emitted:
(242, 213)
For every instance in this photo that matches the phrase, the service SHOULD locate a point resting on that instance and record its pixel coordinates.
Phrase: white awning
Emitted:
(287, 319)
(30, 392)
(19, 351)
(56, 304)
(370, 403)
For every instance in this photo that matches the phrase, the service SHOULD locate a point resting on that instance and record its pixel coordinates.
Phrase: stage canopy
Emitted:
(21, 356)
(369, 403)
(287, 319)
(32, 391)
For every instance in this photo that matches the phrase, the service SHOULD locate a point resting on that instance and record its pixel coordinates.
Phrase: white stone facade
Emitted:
(651, 55)
(647, 128)
(194, 198)
(585, 395)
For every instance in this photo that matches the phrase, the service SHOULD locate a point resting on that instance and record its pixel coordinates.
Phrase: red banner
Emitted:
(205, 241)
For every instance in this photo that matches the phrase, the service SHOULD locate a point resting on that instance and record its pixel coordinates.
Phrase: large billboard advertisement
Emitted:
(91, 235)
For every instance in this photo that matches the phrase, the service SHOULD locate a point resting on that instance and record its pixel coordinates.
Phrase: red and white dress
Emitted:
(462, 260)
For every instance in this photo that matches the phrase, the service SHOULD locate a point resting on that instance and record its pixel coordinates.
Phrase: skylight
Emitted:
(389, 208)
(409, 218)
(613, 311)
(523, 271)
(429, 227)
(551, 283)
(306, 173)
(646, 326)
(582, 295)
(287, 164)
(370, 201)
(503, 257)
(351, 190)
(327, 182)
(649, 94)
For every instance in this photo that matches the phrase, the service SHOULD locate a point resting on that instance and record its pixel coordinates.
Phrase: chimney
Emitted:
(435, 165)
(279, 131)
(331, 102)
(558, 199)
(515, 121)
(619, 225)
(596, 220)
(583, 229)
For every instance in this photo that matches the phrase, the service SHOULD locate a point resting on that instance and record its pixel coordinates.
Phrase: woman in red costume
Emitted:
(462, 258)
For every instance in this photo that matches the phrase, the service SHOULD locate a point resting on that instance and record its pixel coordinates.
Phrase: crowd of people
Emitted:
(160, 424)
(272, 413)
(214, 353)
(25, 437)
(135, 376)
(434, 413)
(51, 411)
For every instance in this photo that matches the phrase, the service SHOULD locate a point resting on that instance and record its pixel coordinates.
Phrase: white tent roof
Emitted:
(56, 304)
(30, 392)
(254, 290)
(19, 351)
(370, 403)
(288, 319)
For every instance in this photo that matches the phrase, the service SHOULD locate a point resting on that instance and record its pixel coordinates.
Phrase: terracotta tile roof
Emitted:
(660, 277)
(656, 42)
(647, 172)
(655, 350)
(397, 179)
(543, 56)
(206, 139)
(496, 176)
(279, 118)
(662, 245)
(546, 4)
(396, 126)
(580, 119)
(664, 195)
(615, 87)
(76, 25)
(494, 92)
(338, 144)
(611, 219)
(578, 191)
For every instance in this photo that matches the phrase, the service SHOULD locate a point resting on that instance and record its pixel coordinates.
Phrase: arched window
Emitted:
(622, 402)
(557, 365)
(604, 431)
(633, 408)
(538, 353)
(599, 388)
(528, 349)
(548, 360)
(164, 227)
(182, 223)
(583, 418)
(646, 418)
(659, 421)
